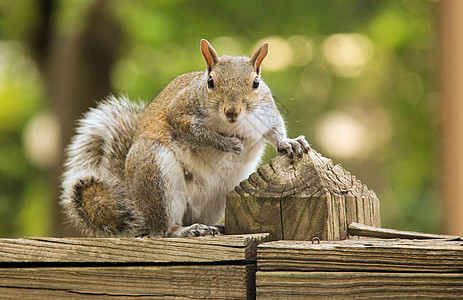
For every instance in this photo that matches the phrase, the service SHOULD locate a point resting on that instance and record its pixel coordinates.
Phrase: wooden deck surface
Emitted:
(221, 267)
(361, 269)
(229, 267)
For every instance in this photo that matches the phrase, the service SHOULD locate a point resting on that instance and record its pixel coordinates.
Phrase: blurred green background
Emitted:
(357, 78)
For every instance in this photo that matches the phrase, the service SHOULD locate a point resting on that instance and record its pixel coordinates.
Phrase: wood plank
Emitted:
(366, 210)
(335, 230)
(377, 213)
(183, 281)
(351, 209)
(130, 250)
(360, 211)
(305, 218)
(331, 232)
(253, 215)
(342, 212)
(362, 255)
(363, 285)
(384, 233)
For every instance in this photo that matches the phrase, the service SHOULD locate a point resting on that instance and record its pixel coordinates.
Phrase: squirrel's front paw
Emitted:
(195, 230)
(296, 146)
(233, 144)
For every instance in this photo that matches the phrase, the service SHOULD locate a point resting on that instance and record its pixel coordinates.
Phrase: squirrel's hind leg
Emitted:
(98, 210)
(157, 185)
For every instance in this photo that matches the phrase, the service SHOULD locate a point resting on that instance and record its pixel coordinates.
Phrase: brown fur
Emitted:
(146, 184)
(130, 172)
(98, 206)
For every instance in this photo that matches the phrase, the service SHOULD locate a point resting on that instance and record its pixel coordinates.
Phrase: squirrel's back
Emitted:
(98, 150)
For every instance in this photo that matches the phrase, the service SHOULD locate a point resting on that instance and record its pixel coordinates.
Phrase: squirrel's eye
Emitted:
(255, 83)
(210, 82)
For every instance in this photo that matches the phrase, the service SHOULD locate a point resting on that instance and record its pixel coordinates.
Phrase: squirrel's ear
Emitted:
(259, 56)
(209, 54)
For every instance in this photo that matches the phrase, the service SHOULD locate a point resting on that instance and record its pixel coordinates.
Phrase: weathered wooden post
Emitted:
(299, 200)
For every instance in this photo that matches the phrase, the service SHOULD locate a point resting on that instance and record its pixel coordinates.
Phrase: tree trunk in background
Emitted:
(76, 72)
(451, 60)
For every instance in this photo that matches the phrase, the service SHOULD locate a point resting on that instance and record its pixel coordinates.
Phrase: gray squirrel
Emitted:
(164, 169)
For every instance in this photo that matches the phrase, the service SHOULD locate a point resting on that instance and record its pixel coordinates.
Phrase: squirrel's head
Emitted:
(232, 84)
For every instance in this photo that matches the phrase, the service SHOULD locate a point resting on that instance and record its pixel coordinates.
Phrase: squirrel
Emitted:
(164, 169)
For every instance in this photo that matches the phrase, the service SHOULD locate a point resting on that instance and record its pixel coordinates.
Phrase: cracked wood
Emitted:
(300, 199)
(220, 267)
(167, 282)
(373, 255)
(130, 250)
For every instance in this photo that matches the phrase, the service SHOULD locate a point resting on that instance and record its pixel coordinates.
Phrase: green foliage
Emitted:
(368, 62)
(21, 185)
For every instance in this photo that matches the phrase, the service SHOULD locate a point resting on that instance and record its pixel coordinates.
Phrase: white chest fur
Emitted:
(210, 174)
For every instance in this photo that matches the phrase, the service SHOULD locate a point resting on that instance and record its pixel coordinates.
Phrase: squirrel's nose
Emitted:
(231, 114)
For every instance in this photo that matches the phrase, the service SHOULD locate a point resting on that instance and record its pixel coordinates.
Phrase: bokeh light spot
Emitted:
(302, 49)
(348, 54)
(41, 140)
(280, 54)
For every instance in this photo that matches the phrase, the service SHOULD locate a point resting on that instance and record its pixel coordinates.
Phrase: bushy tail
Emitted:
(94, 193)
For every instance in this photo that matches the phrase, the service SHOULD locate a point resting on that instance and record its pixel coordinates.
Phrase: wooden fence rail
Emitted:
(221, 267)
(229, 267)
(367, 269)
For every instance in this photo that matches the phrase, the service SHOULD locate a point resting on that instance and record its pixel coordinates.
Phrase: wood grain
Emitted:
(362, 255)
(255, 215)
(130, 250)
(384, 233)
(300, 199)
(167, 282)
(358, 285)
(309, 217)
(220, 267)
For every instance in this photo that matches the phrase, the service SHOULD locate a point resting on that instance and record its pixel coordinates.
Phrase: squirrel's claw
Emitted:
(237, 146)
(296, 146)
(304, 144)
(232, 144)
(194, 230)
